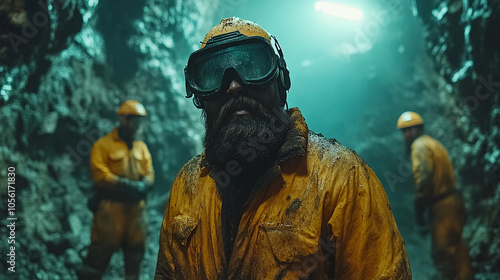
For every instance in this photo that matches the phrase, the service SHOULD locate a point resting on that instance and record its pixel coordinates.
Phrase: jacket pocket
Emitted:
(117, 161)
(138, 155)
(138, 160)
(117, 155)
(183, 227)
(290, 244)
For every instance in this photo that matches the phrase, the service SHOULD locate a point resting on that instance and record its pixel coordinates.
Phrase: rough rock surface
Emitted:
(65, 67)
(462, 38)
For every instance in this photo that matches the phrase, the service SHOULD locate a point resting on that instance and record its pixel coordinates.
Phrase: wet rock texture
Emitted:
(462, 38)
(65, 67)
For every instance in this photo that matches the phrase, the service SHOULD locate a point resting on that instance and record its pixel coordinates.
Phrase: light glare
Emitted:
(339, 10)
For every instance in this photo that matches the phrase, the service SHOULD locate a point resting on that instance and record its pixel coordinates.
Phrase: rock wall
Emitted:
(65, 67)
(462, 38)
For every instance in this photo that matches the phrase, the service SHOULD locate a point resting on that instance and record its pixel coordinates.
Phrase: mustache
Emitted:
(241, 103)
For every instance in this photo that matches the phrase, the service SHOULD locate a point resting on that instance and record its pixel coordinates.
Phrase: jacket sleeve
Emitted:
(368, 244)
(101, 174)
(421, 157)
(148, 167)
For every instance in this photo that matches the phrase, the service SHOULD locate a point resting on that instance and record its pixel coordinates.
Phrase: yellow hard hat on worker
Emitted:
(228, 25)
(409, 119)
(132, 107)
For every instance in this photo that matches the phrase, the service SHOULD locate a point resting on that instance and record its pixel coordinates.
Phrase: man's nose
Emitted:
(235, 88)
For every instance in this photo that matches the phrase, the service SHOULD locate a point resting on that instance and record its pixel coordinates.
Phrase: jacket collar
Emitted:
(296, 138)
(115, 135)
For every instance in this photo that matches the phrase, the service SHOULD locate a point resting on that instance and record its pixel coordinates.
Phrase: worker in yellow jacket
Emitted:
(435, 190)
(269, 199)
(122, 171)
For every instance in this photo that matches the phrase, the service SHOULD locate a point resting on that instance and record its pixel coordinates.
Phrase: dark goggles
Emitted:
(249, 60)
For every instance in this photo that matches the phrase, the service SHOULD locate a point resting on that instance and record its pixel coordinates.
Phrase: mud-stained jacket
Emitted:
(320, 213)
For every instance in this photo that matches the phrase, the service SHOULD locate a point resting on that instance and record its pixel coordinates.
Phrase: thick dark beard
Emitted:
(126, 136)
(253, 141)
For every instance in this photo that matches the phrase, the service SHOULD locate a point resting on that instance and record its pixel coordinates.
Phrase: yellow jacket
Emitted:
(321, 213)
(435, 187)
(118, 222)
(432, 169)
(110, 159)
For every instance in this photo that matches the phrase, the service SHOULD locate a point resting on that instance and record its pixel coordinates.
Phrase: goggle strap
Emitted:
(189, 94)
(281, 55)
(278, 47)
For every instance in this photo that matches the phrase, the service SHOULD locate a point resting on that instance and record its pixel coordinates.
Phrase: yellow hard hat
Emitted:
(408, 119)
(245, 27)
(236, 33)
(132, 107)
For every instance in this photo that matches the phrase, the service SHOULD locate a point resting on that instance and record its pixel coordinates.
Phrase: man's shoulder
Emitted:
(189, 176)
(192, 166)
(104, 140)
(425, 141)
(333, 161)
(329, 149)
(193, 162)
(141, 144)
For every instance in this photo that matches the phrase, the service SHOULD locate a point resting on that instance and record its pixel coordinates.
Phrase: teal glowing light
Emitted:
(339, 10)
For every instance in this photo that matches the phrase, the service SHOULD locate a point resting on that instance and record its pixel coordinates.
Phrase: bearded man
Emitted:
(268, 198)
